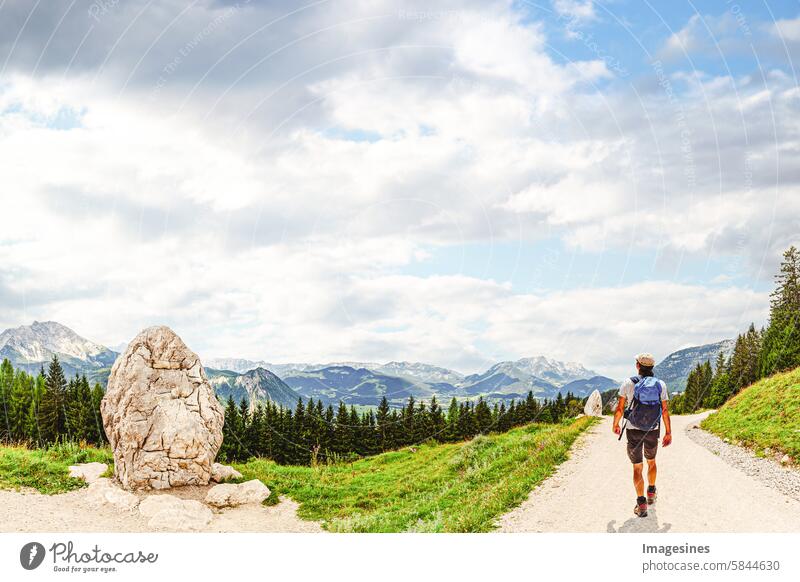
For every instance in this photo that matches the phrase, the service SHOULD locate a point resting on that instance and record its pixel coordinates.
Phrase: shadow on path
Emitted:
(637, 524)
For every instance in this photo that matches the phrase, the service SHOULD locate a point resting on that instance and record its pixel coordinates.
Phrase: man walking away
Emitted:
(648, 397)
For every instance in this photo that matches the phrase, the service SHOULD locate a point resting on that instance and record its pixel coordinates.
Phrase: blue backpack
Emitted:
(645, 411)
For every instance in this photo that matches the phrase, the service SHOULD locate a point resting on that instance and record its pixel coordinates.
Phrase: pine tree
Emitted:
(230, 450)
(19, 403)
(781, 342)
(341, 437)
(451, 429)
(382, 420)
(6, 385)
(95, 428)
(483, 416)
(437, 420)
(52, 414)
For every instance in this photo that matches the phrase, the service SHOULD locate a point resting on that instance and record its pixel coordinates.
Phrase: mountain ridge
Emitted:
(31, 347)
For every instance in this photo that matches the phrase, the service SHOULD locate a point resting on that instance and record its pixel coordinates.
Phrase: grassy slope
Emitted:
(458, 487)
(46, 470)
(766, 414)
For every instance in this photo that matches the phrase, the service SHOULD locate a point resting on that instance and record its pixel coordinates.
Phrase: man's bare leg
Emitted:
(652, 470)
(638, 481)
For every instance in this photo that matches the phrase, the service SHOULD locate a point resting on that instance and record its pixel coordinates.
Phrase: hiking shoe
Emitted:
(651, 495)
(641, 507)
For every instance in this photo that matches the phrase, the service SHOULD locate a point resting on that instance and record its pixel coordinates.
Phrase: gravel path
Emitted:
(30, 511)
(699, 491)
(767, 470)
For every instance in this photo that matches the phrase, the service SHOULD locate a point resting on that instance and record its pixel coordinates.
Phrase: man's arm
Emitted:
(667, 424)
(618, 414)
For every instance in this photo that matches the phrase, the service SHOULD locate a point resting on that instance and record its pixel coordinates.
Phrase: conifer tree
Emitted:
(781, 342)
(19, 404)
(382, 422)
(437, 420)
(52, 413)
(6, 384)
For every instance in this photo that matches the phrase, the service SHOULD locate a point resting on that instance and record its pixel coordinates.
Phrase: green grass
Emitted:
(764, 415)
(460, 487)
(47, 470)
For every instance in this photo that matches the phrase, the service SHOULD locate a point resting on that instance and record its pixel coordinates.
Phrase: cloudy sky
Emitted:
(449, 182)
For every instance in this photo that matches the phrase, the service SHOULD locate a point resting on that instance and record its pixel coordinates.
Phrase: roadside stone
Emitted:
(104, 492)
(89, 472)
(220, 473)
(594, 404)
(233, 495)
(170, 512)
(785, 459)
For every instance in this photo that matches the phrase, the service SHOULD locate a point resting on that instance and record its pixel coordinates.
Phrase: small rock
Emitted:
(768, 452)
(220, 473)
(785, 460)
(727, 440)
(89, 472)
(170, 512)
(104, 492)
(594, 404)
(232, 495)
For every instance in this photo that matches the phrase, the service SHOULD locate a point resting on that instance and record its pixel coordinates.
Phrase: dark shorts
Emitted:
(640, 440)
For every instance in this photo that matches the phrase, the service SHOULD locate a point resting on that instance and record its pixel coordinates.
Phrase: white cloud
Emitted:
(787, 29)
(271, 214)
(577, 11)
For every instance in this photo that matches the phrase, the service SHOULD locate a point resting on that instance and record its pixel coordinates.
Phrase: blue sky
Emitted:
(456, 182)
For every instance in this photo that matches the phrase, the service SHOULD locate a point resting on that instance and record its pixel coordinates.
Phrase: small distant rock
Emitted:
(785, 460)
(89, 472)
(594, 404)
(170, 512)
(220, 473)
(104, 493)
(232, 495)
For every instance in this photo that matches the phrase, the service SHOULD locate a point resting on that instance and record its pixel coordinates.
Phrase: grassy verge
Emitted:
(46, 470)
(460, 487)
(764, 415)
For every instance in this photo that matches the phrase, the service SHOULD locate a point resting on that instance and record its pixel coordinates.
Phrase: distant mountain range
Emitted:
(675, 368)
(29, 347)
(257, 385)
(360, 383)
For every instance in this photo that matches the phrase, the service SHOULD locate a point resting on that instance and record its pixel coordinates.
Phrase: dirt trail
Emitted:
(698, 492)
(31, 511)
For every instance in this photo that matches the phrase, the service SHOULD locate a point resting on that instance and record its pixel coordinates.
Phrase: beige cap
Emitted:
(646, 359)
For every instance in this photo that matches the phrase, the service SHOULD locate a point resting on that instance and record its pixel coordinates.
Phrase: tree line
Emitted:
(46, 408)
(757, 353)
(312, 433)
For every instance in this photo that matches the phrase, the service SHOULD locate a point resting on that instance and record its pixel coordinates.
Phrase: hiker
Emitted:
(648, 397)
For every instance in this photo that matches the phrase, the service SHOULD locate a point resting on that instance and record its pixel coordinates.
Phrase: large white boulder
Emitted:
(594, 404)
(232, 495)
(160, 414)
(170, 512)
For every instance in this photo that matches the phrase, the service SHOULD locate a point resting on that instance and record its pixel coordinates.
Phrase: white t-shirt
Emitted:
(626, 390)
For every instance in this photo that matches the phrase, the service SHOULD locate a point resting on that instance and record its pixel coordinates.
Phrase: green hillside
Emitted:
(764, 415)
(459, 487)
(453, 487)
